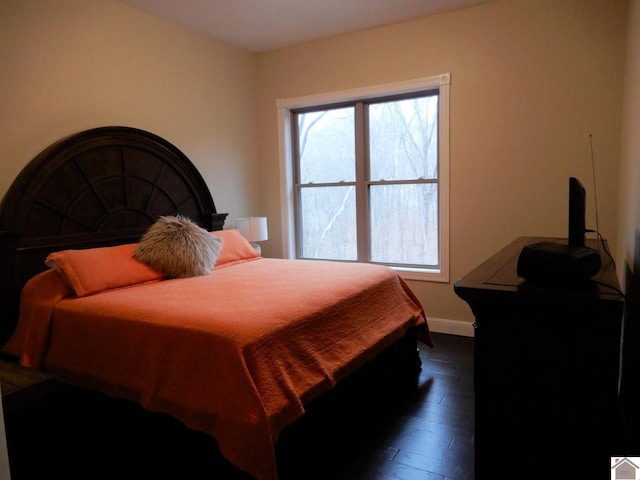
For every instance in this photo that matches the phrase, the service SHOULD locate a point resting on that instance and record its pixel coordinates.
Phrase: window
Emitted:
(365, 176)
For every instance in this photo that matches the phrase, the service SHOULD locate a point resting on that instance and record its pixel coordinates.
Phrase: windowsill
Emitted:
(407, 273)
(422, 274)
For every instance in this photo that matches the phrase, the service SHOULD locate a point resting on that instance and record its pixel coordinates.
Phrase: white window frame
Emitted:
(441, 82)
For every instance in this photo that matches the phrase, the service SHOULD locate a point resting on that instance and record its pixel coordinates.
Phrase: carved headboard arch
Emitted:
(99, 187)
(104, 179)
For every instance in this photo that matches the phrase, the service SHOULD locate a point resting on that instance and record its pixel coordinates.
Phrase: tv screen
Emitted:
(577, 200)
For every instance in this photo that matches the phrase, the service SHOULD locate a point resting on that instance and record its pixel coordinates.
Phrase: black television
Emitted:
(577, 211)
(554, 262)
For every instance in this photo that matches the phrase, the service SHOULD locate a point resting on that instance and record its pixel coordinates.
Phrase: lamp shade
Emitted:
(254, 229)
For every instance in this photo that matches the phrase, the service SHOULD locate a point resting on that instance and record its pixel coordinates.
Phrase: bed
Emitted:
(236, 353)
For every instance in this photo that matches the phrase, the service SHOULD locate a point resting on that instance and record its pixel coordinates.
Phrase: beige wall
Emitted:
(629, 253)
(69, 65)
(530, 80)
(629, 256)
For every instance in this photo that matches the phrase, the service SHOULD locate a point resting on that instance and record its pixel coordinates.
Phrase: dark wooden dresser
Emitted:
(546, 370)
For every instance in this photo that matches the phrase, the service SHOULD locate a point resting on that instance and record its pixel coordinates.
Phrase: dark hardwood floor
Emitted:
(400, 428)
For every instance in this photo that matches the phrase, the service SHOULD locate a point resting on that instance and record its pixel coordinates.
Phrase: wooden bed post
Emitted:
(217, 220)
(9, 291)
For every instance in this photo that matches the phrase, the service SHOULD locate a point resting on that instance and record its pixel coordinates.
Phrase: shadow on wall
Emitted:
(630, 390)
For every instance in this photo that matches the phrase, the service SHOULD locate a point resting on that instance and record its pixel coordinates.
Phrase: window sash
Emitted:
(367, 248)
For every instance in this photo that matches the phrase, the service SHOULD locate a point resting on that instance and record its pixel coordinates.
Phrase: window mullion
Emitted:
(362, 189)
(296, 176)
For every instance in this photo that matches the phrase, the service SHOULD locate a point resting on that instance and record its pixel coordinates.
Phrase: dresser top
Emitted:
(499, 273)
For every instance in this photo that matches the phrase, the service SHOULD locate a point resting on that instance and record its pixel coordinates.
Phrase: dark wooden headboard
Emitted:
(100, 187)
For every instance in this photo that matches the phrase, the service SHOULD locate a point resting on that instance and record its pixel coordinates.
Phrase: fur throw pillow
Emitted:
(177, 247)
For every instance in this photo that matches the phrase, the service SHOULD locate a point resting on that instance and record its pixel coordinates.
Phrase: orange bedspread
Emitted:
(234, 354)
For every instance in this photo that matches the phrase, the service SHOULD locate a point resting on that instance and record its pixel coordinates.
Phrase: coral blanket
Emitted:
(235, 354)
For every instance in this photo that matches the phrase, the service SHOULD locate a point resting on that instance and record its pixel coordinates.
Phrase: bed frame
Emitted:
(106, 186)
(100, 187)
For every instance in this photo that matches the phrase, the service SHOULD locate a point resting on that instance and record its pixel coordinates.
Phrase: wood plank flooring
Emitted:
(398, 429)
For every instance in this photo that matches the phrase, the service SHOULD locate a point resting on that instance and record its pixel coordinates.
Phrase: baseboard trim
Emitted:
(451, 327)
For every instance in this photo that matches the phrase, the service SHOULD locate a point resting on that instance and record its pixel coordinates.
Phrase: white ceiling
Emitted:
(261, 25)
